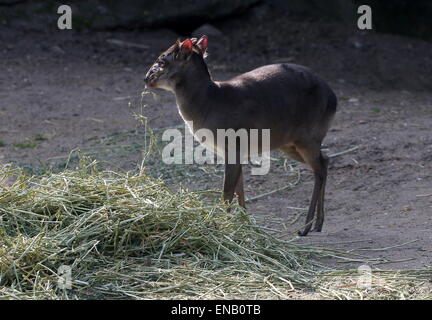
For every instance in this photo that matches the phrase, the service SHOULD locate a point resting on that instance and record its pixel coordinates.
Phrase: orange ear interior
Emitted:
(186, 45)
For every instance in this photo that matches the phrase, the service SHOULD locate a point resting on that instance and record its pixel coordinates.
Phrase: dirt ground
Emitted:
(61, 90)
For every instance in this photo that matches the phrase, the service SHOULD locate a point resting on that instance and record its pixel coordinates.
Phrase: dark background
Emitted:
(404, 17)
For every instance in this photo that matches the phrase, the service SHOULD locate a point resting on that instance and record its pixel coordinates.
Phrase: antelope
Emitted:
(290, 100)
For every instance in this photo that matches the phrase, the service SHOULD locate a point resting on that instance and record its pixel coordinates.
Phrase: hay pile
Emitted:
(127, 235)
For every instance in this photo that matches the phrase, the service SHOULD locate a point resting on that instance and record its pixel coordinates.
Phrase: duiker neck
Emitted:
(192, 92)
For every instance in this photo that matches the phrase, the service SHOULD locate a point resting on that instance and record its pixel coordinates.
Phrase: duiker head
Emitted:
(176, 63)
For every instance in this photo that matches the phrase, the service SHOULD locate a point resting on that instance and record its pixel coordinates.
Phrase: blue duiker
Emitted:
(290, 100)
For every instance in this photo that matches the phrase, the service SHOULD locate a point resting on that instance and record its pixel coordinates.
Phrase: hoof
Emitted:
(303, 233)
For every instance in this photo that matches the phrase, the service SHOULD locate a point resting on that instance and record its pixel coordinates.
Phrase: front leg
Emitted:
(239, 190)
(233, 173)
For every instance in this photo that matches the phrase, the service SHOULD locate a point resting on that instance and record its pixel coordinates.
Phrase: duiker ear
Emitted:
(186, 47)
(202, 44)
(184, 50)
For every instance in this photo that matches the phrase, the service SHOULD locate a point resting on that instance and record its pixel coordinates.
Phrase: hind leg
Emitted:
(320, 207)
(311, 153)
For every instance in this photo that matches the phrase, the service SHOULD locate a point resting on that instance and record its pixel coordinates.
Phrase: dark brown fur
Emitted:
(290, 100)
